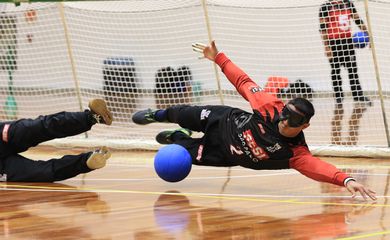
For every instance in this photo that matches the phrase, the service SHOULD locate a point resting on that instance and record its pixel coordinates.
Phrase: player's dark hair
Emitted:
(304, 106)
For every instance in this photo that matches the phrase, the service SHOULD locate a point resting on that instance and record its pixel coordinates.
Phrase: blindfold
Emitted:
(294, 117)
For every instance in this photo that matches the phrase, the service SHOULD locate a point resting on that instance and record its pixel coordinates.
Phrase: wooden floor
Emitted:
(126, 200)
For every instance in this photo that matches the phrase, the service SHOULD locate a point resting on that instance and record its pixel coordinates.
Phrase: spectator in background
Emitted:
(335, 28)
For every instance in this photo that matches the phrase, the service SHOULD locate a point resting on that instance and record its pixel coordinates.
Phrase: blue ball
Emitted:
(360, 39)
(172, 163)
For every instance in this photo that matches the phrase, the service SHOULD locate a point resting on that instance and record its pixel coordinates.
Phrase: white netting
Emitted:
(115, 50)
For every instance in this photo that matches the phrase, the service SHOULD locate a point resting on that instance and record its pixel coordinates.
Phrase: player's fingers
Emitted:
(363, 193)
(371, 194)
(352, 191)
(197, 50)
(213, 43)
(201, 45)
(198, 47)
(353, 194)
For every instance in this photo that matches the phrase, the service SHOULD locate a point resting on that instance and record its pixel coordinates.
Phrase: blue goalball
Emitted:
(172, 163)
(360, 39)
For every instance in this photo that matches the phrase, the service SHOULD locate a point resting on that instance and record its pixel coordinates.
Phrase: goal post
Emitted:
(138, 54)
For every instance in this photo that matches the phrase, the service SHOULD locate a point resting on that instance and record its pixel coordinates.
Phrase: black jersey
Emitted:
(253, 140)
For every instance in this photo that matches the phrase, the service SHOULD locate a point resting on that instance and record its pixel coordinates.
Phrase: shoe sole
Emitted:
(163, 137)
(99, 159)
(139, 118)
(99, 107)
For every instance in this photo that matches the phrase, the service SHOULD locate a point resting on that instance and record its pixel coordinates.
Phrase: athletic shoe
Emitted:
(165, 137)
(144, 117)
(100, 112)
(98, 158)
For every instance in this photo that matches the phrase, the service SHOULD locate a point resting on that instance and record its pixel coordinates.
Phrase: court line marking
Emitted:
(238, 168)
(219, 177)
(188, 178)
(54, 189)
(200, 195)
(365, 235)
(292, 172)
(199, 167)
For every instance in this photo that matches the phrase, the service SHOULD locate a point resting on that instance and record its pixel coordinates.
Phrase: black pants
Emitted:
(208, 150)
(25, 133)
(344, 55)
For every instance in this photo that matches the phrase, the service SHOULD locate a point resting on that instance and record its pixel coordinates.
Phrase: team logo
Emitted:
(204, 114)
(256, 89)
(257, 151)
(274, 148)
(3, 177)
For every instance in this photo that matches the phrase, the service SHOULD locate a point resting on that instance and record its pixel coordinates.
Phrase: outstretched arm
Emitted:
(354, 187)
(235, 75)
(247, 88)
(314, 168)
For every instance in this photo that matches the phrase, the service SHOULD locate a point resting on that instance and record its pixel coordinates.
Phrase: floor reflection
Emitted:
(178, 218)
(28, 216)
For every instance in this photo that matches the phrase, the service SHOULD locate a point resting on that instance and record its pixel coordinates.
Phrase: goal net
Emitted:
(56, 56)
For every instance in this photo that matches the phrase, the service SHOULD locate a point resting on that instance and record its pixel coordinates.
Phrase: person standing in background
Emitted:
(335, 27)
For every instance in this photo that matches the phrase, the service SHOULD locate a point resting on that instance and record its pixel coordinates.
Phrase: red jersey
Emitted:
(337, 16)
(253, 139)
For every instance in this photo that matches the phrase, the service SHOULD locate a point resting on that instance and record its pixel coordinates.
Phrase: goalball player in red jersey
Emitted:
(335, 27)
(269, 138)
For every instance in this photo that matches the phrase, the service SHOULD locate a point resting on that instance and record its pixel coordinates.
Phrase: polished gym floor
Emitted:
(127, 200)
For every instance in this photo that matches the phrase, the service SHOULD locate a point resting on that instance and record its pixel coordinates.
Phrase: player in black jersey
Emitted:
(18, 136)
(269, 138)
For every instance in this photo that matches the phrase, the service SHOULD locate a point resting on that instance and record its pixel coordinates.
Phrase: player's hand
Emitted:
(354, 187)
(209, 52)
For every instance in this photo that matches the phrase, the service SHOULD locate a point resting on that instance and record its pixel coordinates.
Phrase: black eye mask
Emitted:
(294, 119)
